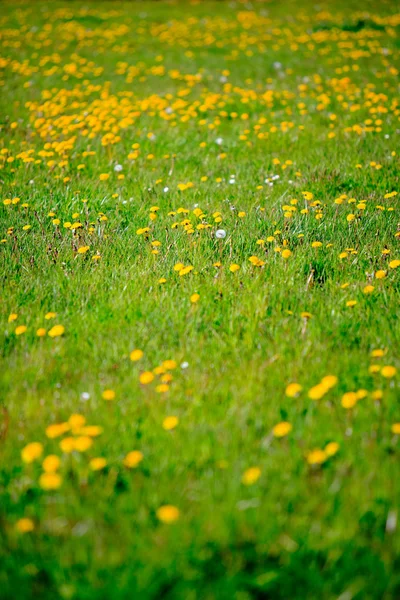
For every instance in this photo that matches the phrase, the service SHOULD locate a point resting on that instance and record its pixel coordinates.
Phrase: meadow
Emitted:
(200, 336)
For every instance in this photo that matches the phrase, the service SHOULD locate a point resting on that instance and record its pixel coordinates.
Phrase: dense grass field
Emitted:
(200, 336)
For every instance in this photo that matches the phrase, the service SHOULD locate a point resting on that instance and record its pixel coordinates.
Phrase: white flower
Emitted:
(118, 168)
(166, 189)
(220, 234)
(219, 141)
(85, 395)
(184, 365)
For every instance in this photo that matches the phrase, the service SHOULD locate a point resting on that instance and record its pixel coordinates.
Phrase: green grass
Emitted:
(246, 89)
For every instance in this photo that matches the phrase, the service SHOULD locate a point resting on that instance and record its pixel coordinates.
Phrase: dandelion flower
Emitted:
(108, 395)
(168, 514)
(251, 475)
(50, 481)
(388, 371)
(146, 377)
(20, 329)
(31, 452)
(133, 459)
(170, 423)
(56, 331)
(25, 525)
(136, 355)
(96, 464)
(282, 429)
(293, 390)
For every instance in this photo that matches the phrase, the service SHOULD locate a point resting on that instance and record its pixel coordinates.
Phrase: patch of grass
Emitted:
(199, 323)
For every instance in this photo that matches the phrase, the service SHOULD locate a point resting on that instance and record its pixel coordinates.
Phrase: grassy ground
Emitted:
(130, 133)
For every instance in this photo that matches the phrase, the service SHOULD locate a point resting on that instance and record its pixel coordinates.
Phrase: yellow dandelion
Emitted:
(170, 423)
(146, 377)
(136, 355)
(293, 390)
(25, 525)
(282, 429)
(98, 463)
(108, 395)
(50, 481)
(251, 475)
(133, 459)
(168, 514)
(31, 452)
(56, 331)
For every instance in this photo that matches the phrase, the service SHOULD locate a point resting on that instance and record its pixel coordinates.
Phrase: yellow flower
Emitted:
(185, 271)
(50, 315)
(368, 289)
(91, 430)
(96, 464)
(233, 268)
(56, 331)
(104, 177)
(83, 249)
(169, 364)
(162, 388)
(331, 449)
(396, 428)
(317, 392)
(316, 457)
(20, 329)
(146, 377)
(349, 400)
(67, 445)
(136, 355)
(168, 514)
(194, 298)
(351, 303)
(25, 525)
(83, 443)
(170, 423)
(282, 429)
(251, 475)
(132, 459)
(56, 429)
(380, 274)
(329, 381)
(31, 452)
(41, 332)
(293, 390)
(76, 421)
(51, 463)
(286, 253)
(394, 264)
(50, 481)
(378, 353)
(108, 395)
(12, 317)
(388, 371)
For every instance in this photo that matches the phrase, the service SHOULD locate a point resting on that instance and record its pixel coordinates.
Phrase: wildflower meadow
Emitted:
(200, 334)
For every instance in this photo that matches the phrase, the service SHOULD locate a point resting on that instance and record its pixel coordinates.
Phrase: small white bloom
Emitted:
(184, 365)
(118, 168)
(85, 395)
(220, 234)
(166, 189)
(219, 141)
